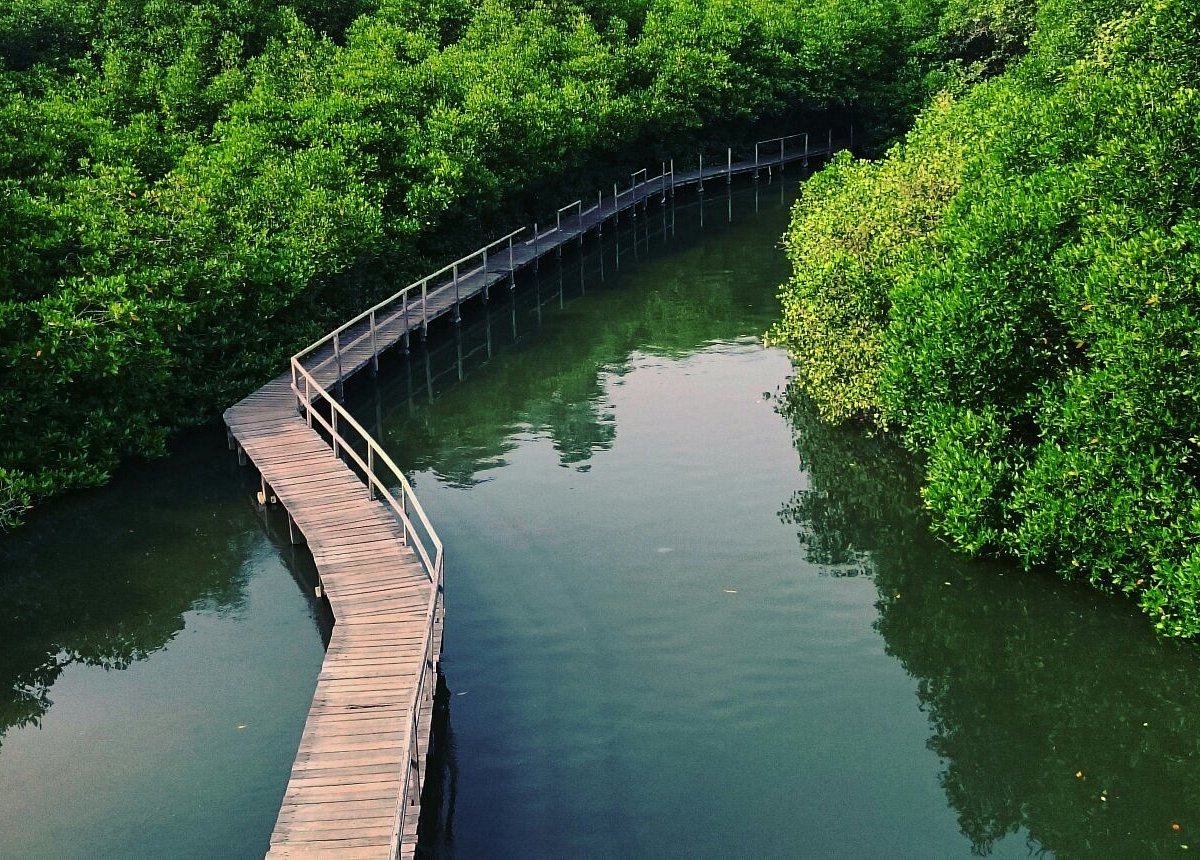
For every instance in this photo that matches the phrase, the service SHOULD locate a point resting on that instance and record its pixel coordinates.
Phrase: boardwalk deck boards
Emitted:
(354, 790)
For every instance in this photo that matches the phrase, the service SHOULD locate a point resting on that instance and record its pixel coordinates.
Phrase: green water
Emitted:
(157, 663)
(688, 620)
(683, 618)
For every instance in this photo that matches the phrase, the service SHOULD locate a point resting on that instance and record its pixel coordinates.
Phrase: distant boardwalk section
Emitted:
(355, 788)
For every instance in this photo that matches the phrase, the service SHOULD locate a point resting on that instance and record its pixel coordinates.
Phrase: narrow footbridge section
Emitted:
(355, 788)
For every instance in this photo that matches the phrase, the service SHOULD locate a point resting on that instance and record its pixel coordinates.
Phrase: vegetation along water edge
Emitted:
(1014, 291)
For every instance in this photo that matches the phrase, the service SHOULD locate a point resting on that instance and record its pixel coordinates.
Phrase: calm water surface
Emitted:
(684, 618)
(688, 620)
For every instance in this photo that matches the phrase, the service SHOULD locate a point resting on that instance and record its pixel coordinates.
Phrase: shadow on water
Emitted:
(1054, 710)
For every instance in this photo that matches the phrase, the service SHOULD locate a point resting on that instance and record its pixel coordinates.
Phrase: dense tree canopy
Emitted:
(185, 184)
(1016, 290)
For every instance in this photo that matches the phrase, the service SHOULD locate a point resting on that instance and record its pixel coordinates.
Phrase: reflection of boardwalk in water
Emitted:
(357, 780)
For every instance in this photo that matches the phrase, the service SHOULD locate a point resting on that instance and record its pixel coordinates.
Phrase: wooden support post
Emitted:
(458, 344)
(294, 534)
(229, 440)
(241, 454)
(266, 496)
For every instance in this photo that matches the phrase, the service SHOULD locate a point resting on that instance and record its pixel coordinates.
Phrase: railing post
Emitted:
(729, 166)
(333, 413)
(407, 325)
(829, 148)
(457, 315)
(672, 177)
(295, 390)
(371, 471)
(756, 160)
(307, 401)
(852, 137)
(425, 307)
(374, 345)
(512, 269)
(485, 274)
(781, 140)
(599, 213)
(579, 217)
(337, 351)
(805, 162)
(701, 181)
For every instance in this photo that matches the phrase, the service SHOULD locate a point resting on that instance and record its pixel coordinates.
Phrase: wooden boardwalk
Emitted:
(355, 787)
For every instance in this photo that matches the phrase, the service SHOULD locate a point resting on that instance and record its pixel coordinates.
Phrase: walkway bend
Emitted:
(355, 787)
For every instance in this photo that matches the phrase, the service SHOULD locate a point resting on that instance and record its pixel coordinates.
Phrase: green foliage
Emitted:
(850, 229)
(1036, 344)
(186, 186)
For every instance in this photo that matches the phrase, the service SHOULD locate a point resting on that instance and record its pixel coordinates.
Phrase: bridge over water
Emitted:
(355, 787)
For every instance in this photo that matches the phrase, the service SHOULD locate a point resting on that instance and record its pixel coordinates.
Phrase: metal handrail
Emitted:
(421, 284)
(315, 391)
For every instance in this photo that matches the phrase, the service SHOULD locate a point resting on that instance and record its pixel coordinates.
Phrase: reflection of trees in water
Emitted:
(554, 382)
(104, 578)
(1027, 682)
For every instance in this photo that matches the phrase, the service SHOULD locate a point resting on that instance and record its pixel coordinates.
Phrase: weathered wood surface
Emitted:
(342, 798)
(344, 794)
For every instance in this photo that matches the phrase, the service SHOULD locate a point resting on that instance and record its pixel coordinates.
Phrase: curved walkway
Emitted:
(355, 787)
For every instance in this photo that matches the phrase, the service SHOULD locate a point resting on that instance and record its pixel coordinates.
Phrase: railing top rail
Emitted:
(399, 294)
(784, 137)
(562, 209)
